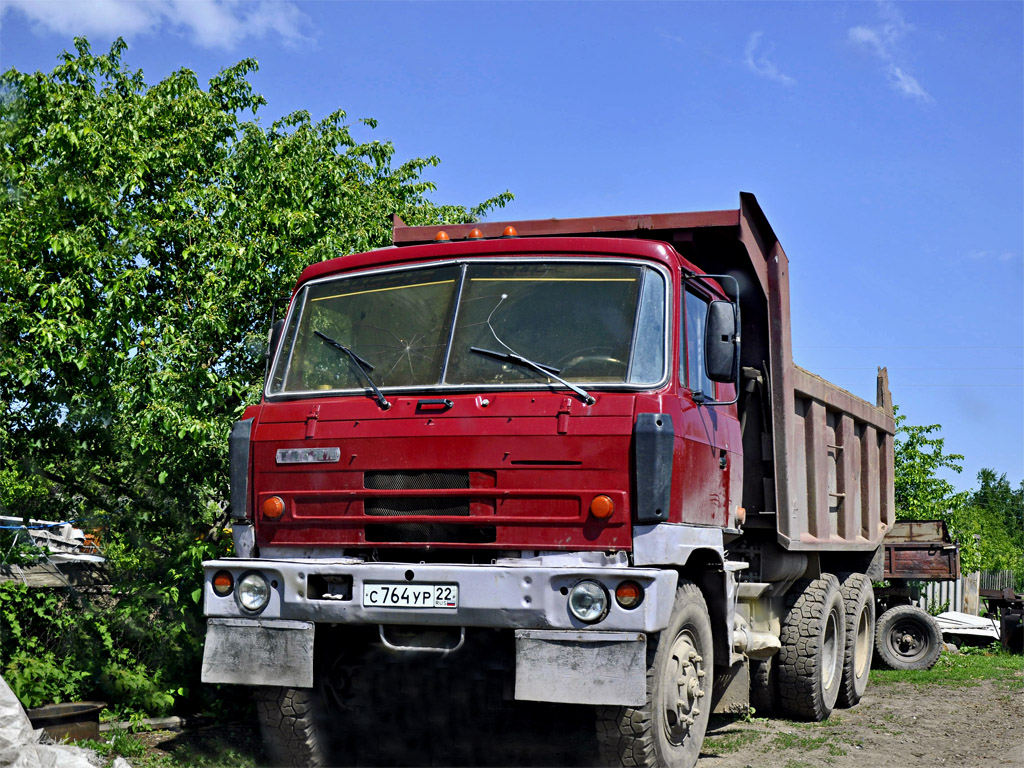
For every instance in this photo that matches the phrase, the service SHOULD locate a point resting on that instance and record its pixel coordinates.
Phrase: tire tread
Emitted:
(886, 659)
(626, 736)
(854, 587)
(808, 606)
(288, 724)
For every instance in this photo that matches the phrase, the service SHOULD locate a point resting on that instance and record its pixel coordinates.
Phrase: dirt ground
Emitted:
(896, 725)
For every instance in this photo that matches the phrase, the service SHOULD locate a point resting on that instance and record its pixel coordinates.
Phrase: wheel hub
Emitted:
(906, 642)
(685, 678)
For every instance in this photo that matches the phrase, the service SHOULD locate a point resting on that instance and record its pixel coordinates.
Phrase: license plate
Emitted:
(399, 595)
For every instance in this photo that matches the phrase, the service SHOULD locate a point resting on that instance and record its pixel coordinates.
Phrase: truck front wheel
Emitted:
(907, 638)
(668, 729)
(810, 669)
(289, 722)
(859, 599)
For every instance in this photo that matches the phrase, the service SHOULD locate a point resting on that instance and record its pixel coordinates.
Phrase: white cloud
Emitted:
(907, 84)
(209, 23)
(763, 65)
(1002, 256)
(883, 42)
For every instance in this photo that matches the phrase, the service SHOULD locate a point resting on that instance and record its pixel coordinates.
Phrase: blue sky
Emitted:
(883, 140)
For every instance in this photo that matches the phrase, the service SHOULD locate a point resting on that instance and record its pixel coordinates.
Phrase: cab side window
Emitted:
(695, 314)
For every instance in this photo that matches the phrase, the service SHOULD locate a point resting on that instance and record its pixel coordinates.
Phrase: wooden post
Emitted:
(972, 583)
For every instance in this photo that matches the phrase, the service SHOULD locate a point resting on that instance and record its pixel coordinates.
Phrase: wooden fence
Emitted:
(997, 580)
(936, 594)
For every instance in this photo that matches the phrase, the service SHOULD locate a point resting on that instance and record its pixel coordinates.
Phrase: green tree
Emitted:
(995, 513)
(920, 454)
(987, 523)
(144, 233)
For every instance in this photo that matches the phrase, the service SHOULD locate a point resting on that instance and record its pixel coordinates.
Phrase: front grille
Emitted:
(415, 481)
(450, 533)
(434, 506)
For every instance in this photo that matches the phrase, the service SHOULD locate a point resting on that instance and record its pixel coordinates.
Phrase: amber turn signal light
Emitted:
(629, 594)
(273, 507)
(602, 507)
(223, 583)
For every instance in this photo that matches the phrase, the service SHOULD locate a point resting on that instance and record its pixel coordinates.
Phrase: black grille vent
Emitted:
(434, 507)
(416, 481)
(446, 533)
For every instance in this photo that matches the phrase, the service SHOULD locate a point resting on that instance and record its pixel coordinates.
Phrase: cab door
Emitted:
(704, 429)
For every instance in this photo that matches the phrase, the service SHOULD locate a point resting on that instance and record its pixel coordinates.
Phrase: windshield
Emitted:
(586, 321)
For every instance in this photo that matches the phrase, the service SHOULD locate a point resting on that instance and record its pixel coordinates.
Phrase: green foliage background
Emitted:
(988, 523)
(145, 231)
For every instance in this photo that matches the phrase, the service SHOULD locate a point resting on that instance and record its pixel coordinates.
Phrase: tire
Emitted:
(907, 638)
(668, 730)
(810, 668)
(288, 719)
(859, 600)
(764, 696)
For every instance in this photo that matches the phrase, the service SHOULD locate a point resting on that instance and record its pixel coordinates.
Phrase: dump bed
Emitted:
(818, 461)
(921, 550)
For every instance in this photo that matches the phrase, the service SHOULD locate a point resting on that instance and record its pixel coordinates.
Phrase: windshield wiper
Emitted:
(361, 365)
(545, 370)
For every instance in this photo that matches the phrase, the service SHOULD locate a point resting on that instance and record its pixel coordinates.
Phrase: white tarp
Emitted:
(20, 745)
(967, 625)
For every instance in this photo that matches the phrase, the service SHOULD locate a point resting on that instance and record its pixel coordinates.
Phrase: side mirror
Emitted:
(721, 342)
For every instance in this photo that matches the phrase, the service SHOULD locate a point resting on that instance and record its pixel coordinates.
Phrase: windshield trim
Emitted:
(464, 263)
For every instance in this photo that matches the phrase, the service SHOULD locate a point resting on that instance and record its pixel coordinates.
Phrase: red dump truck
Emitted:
(565, 461)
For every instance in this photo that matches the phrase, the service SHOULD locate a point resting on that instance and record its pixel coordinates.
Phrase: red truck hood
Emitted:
(505, 470)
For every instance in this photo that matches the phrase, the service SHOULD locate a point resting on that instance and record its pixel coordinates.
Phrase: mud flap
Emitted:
(581, 667)
(259, 652)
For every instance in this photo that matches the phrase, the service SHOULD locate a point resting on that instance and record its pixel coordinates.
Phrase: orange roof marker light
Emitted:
(510, 231)
(476, 234)
(442, 237)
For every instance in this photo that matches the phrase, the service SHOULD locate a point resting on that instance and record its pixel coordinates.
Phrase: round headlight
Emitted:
(253, 592)
(588, 601)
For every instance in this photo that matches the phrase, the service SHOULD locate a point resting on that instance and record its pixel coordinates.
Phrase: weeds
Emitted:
(728, 742)
(806, 743)
(188, 750)
(961, 670)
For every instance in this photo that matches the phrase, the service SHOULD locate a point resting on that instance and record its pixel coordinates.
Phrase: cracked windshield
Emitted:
(578, 320)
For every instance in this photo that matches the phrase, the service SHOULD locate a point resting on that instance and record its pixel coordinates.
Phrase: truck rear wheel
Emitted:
(763, 687)
(668, 729)
(810, 662)
(289, 725)
(859, 599)
(907, 638)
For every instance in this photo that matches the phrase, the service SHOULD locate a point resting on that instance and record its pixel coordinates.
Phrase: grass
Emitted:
(221, 749)
(961, 670)
(723, 744)
(805, 743)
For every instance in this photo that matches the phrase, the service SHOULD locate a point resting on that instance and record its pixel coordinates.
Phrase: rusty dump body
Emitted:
(921, 550)
(817, 460)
